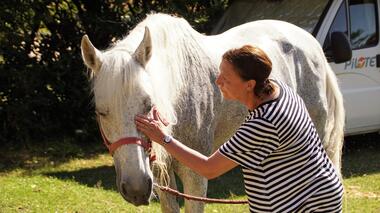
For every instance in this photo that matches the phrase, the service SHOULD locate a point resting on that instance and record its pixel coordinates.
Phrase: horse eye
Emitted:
(101, 113)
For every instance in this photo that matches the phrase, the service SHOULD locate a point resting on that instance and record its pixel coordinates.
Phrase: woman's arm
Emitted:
(209, 167)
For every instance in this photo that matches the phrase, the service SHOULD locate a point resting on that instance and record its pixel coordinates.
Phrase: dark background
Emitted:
(44, 90)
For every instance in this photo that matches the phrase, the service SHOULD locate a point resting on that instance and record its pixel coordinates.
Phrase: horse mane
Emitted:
(175, 48)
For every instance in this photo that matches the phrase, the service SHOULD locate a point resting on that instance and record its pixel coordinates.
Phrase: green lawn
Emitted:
(61, 177)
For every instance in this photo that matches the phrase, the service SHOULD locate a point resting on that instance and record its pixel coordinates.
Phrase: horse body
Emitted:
(164, 62)
(299, 61)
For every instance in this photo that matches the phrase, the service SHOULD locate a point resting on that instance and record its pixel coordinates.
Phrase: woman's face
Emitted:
(232, 86)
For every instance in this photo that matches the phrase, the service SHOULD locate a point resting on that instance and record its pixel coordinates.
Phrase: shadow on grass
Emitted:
(100, 177)
(230, 184)
(40, 155)
(104, 177)
(223, 187)
(60, 152)
(361, 155)
(227, 185)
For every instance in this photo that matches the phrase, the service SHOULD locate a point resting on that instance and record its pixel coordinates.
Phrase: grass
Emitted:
(361, 170)
(70, 178)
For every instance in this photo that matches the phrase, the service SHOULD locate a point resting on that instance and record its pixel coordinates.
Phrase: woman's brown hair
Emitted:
(252, 63)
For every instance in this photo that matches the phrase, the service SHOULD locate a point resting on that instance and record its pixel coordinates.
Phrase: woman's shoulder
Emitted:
(258, 123)
(259, 128)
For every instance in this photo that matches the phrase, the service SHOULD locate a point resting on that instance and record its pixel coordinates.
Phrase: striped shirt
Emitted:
(284, 164)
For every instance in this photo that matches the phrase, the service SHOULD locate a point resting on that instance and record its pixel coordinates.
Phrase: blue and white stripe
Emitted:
(284, 164)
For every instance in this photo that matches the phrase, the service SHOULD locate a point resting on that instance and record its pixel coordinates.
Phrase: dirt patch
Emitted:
(356, 192)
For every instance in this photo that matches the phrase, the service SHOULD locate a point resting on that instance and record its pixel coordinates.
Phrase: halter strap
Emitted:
(112, 147)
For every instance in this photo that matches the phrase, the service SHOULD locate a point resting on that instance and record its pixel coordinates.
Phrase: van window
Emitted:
(364, 26)
(364, 30)
(339, 25)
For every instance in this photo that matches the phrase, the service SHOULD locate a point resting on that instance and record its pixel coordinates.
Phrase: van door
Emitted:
(359, 78)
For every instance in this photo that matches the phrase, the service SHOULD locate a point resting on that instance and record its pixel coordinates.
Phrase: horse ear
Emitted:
(144, 51)
(91, 56)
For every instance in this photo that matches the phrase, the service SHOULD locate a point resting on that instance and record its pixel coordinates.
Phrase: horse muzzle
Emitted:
(137, 195)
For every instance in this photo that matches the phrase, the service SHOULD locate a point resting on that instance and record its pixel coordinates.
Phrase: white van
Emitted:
(359, 75)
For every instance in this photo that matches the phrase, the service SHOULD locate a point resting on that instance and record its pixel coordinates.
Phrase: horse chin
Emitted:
(136, 189)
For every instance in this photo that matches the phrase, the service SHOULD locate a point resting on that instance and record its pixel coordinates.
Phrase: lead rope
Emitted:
(202, 199)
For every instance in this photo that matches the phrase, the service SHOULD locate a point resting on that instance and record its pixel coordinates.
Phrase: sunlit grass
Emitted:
(50, 188)
(362, 193)
(84, 181)
(46, 194)
(42, 190)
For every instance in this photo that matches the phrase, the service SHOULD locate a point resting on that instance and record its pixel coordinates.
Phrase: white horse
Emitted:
(166, 63)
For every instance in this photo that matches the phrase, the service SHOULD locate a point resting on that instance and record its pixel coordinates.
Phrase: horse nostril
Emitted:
(150, 186)
(137, 194)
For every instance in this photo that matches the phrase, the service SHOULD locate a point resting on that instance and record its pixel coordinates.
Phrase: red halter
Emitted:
(112, 147)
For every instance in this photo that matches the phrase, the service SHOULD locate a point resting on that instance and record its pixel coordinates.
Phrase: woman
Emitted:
(284, 164)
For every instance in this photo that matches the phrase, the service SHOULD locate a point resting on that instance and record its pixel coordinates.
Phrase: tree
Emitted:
(44, 91)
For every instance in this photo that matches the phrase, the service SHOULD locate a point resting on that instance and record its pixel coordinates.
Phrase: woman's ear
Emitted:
(251, 85)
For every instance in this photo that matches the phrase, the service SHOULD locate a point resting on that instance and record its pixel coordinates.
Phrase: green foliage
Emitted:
(44, 90)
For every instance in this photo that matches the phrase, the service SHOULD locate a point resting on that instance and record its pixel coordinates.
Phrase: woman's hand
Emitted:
(151, 127)
(210, 167)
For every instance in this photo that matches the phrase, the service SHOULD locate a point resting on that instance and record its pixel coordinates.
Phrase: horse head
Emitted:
(121, 90)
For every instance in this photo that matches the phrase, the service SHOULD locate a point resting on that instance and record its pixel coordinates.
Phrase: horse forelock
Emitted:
(116, 77)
